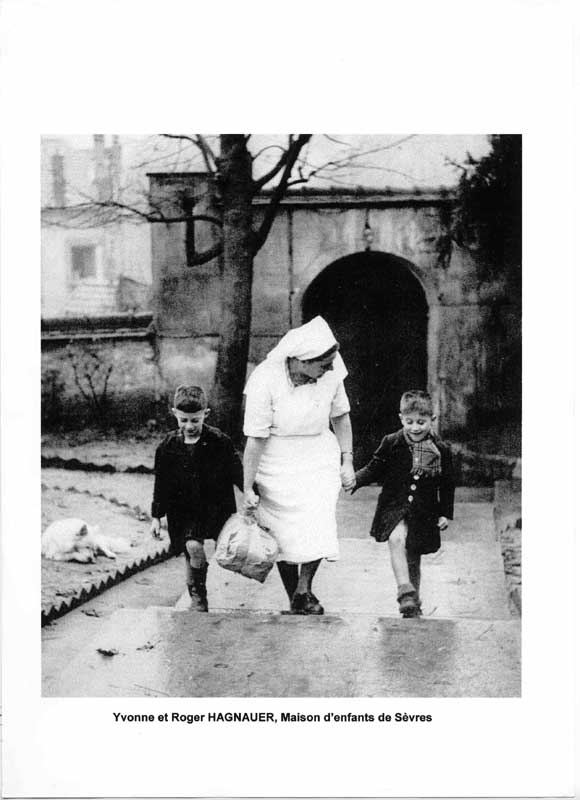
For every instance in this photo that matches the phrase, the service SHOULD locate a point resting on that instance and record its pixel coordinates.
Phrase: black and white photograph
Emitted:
(281, 404)
(288, 485)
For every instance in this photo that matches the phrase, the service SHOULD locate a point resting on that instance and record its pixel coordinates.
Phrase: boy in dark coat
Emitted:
(196, 468)
(416, 502)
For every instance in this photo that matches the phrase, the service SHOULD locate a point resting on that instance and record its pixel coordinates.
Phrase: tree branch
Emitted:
(291, 156)
(157, 217)
(268, 147)
(260, 182)
(291, 153)
(340, 163)
(333, 179)
(207, 153)
(182, 136)
(336, 141)
(202, 258)
(202, 145)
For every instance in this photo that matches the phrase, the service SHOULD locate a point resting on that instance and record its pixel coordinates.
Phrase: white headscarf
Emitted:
(309, 341)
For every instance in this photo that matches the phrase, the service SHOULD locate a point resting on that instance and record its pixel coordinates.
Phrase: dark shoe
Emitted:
(408, 601)
(306, 604)
(197, 590)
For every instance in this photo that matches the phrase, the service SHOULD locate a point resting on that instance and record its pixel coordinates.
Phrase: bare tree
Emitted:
(241, 241)
(241, 232)
(91, 374)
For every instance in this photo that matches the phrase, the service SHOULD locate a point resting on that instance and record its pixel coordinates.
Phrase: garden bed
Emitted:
(63, 581)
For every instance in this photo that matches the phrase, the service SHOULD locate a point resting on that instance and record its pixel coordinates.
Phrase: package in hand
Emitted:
(244, 546)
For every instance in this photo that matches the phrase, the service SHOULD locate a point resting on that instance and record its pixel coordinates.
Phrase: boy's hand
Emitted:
(442, 523)
(156, 528)
(250, 501)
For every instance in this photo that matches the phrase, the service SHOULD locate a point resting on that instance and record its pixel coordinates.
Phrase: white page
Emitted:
(430, 68)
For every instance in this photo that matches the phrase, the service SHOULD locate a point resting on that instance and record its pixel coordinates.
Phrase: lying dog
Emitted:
(75, 540)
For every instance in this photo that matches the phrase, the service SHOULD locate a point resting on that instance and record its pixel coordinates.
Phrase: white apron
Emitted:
(298, 476)
(299, 481)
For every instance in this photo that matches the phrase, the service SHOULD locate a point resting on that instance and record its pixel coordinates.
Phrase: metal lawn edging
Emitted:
(55, 611)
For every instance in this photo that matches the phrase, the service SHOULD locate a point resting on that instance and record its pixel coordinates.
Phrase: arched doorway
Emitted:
(378, 312)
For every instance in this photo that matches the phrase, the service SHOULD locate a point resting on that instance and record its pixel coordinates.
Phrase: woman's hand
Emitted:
(250, 501)
(347, 477)
(442, 523)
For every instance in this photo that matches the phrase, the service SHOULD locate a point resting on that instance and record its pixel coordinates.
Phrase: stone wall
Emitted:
(473, 326)
(123, 361)
(473, 338)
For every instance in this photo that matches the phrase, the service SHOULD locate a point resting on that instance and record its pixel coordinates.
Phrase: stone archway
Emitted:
(379, 313)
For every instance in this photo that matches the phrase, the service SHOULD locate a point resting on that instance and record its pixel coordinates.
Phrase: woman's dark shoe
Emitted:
(306, 603)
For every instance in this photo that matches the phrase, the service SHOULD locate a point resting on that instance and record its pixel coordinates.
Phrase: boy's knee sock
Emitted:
(197, 589)
(198, 580)
(414, 563)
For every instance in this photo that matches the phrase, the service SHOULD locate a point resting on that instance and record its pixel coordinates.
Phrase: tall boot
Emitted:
(289, 574)
(197, 589)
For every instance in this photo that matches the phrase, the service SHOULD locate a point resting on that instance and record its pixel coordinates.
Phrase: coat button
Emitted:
(410, 498)
(415, 477)
(413, 486)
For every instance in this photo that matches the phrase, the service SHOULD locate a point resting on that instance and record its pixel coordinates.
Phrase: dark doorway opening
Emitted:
(378, 312)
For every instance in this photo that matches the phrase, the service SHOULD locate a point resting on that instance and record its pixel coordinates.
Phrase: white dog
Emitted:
(75, 540)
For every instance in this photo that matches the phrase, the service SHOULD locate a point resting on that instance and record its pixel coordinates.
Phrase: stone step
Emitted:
(464, 579)
(466, 645)
(161, 652)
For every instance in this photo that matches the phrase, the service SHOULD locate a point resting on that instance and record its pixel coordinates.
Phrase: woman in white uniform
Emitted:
(293, 458)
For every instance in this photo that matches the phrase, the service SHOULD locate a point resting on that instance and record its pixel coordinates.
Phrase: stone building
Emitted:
(408, 308)
(93, 263)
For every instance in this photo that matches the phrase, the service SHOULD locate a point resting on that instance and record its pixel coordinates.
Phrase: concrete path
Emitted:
(164, 652)
(467, 644)
(464, 579)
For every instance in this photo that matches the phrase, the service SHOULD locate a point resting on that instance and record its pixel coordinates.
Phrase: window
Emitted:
(84, 264)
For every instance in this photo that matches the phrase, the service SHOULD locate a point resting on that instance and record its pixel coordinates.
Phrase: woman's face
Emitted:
(315, 369)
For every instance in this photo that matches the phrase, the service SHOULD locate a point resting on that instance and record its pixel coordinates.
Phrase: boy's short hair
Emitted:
(418, 401)
(189, 399)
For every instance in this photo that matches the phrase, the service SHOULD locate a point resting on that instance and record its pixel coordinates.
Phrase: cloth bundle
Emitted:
(246, 547)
